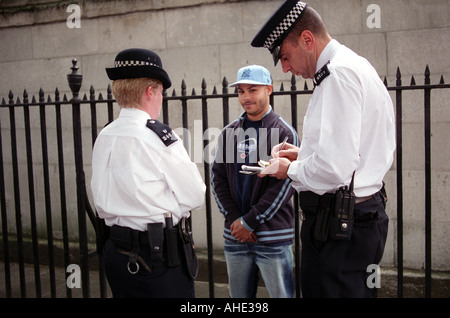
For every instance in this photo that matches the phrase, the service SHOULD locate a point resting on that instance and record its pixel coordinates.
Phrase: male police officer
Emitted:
(348, 131)
(144, 186)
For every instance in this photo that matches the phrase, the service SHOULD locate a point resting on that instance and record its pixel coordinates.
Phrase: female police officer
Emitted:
(140, 173)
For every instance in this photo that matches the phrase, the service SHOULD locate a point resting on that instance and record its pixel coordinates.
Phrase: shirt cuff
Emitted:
(292, 171)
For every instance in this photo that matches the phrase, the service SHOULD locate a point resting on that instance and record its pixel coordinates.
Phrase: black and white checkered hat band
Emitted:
(133, 63)
(285, 24)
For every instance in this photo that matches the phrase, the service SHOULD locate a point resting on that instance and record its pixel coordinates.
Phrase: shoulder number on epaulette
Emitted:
(321, 75)
(163, 131)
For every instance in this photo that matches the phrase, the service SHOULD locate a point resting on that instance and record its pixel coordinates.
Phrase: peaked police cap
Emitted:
(137, 63)
(278, 26)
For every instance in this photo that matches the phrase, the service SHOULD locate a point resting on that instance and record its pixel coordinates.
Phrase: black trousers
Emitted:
(161, 282)
(339, 268)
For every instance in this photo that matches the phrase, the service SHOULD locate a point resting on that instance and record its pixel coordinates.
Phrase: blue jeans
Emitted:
(274, 263)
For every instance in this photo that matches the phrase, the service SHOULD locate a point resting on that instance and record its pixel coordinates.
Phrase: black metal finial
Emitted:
(74, 67)
(75, 79)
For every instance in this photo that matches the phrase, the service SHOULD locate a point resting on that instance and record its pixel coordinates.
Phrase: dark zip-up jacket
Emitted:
(271, 214)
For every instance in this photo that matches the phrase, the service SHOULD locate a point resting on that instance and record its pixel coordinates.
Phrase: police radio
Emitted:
(341, 221)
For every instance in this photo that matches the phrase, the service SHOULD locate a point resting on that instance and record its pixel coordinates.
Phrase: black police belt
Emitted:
(334, 212)
(165, 244)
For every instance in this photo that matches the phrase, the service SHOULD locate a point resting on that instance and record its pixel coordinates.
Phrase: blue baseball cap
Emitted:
(253, 74)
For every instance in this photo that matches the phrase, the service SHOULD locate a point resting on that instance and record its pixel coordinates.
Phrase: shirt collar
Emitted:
(134, 113)
(327, 53)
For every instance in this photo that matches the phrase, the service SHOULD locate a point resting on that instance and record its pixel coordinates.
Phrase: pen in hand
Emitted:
(284, 143)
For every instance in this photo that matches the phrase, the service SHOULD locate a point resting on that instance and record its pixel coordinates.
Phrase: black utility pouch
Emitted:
(156, 241)
(171, 253)
(171, 249)
(341, 222)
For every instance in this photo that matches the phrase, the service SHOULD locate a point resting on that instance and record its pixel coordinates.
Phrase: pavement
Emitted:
(413, 286)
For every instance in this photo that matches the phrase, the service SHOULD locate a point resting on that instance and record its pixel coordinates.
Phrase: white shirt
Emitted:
(349, 125)
(136, 178)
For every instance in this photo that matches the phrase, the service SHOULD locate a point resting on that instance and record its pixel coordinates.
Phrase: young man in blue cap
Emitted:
(348, 138)
(144, 186)
(259, 217)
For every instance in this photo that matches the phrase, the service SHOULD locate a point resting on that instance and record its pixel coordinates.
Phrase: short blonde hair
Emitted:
(128, 92)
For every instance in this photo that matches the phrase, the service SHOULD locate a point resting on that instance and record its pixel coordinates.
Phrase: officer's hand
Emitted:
(278, 168)
(289, 151)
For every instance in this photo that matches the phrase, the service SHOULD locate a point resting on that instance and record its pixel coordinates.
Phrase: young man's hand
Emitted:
(241, 234)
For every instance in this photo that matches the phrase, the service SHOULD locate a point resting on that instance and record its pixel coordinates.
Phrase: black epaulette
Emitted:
(321, 75)
(163, 131)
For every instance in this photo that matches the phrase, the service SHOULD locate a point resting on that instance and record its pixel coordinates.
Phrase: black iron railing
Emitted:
(16, 239)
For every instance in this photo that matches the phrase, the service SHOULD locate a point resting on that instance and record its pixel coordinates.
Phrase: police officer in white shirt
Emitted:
(144, 186)
(348, 135)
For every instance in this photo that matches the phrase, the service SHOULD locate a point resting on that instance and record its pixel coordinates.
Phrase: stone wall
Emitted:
(207, 39)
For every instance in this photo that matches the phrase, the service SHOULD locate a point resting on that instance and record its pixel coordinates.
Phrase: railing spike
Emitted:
(385, 81)
(193, 92)
(282, 87)
(18, 100)
(85, 97)
(57, 94)
(3, 101)
(204, 87)
(293, 80)
(25, 96)
(183, 85)
(174, 93)
(413, 81)
(11, 95)
(64, 98)
(305, 86)
(100, 96)
(225, 82)
(398, 81)
(33, 99)
(41, 95)
(49, 99)
(427, 76)
(398, 75)
(442, 82)
(214, 90)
